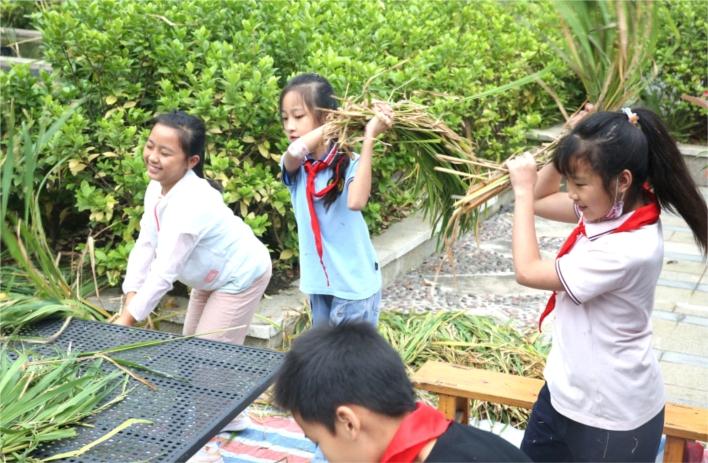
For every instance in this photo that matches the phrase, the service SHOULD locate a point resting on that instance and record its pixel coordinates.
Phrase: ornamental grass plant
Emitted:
(34, 285)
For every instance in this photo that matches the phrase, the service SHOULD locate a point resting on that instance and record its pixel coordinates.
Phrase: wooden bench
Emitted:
(456, 385)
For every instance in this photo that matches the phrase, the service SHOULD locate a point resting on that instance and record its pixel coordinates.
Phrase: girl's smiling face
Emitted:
(297, 118)
(586, 189)
(165, 160)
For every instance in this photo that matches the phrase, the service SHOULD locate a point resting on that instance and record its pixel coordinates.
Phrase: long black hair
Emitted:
(192, 138)
(610, 143)
(318, 95)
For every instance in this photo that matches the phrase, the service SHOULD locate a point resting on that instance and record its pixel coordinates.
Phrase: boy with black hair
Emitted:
(348, 390)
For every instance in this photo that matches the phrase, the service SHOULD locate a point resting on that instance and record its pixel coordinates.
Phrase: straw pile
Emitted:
(445, 163)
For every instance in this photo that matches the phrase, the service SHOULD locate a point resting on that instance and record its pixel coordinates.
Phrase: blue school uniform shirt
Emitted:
(348, 253)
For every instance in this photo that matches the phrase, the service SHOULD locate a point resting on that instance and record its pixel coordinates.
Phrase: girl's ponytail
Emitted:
(670, 178)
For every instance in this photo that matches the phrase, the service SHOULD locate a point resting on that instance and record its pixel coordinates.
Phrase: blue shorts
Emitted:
(334, 310)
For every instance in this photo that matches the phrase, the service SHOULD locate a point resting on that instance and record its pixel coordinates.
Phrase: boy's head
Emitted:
(347, 388)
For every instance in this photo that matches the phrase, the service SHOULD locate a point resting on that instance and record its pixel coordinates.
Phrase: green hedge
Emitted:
(681, 68)
(17, 13)
(226, 60)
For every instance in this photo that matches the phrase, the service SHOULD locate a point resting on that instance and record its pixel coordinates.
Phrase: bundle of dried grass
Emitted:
(479, 193)
(608, 44)
(445, 163)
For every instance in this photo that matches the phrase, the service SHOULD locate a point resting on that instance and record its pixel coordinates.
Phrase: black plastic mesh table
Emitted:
(216, 382)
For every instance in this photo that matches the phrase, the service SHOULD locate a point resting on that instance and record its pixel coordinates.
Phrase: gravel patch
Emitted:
(439, 282)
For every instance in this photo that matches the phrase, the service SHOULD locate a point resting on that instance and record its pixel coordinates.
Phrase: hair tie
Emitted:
(631, 116)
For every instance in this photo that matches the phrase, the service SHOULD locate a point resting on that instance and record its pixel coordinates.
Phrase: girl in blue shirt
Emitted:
(329, 186)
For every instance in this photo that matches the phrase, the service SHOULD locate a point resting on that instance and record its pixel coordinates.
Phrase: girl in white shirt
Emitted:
(187, 233)
(604, 397)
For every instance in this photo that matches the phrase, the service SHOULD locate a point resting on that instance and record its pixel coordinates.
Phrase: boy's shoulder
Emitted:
(466, 443)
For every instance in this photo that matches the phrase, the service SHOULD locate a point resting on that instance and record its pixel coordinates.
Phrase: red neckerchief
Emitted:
(642, 216)
(416, 430)
(313, 167)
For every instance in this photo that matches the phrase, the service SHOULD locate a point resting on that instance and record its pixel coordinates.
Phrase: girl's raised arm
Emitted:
(296, 152)
(360, 188)
(530, 269)
(549, 201)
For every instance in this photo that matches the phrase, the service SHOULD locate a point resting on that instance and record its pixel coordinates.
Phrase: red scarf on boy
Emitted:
(642, 216)
(416, 430)
(313, 167)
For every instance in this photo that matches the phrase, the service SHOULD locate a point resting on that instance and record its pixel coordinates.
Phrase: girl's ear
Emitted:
(193, 161)
(624, 180)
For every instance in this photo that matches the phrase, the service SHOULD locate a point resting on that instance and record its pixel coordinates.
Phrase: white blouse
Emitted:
(190, 235)
(601, 370)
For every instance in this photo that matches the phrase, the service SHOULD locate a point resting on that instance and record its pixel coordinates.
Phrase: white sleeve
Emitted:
(171, 254)
(139, 261)
(143, 251)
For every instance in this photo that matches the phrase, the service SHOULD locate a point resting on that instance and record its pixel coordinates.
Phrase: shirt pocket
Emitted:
(204, 269)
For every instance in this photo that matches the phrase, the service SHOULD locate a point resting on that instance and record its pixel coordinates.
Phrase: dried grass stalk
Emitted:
(444, 161)
(460, 338)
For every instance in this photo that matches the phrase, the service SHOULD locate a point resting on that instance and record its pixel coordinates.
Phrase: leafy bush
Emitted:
(681, 68)
(17, 14)
(226, 62)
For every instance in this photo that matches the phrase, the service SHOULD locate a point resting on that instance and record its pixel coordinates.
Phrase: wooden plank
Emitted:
(501, 388)
(473, 383)
(454, 408)
(673, 450)
(686, 422)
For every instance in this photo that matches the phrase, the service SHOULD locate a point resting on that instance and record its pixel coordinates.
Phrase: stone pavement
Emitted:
(481, 281)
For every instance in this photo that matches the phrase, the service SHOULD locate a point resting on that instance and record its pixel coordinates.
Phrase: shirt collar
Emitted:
(596, 229)
(181, 183)
(328, 158)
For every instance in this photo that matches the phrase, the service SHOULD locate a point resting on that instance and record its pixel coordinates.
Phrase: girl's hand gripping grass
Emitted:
(522, 172)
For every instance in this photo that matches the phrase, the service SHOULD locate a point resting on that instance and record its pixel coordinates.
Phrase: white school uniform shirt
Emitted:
(601, 370)
(190, 235)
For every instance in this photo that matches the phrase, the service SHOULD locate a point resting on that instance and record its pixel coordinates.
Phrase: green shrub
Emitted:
(226, 61)
(681, 68)
(17, 13)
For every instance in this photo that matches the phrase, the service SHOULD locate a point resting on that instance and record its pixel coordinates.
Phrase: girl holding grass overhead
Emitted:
(329, 186)
(604, 395)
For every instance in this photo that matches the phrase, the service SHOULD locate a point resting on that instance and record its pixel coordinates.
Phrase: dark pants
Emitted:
(551, 436)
